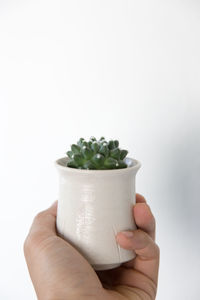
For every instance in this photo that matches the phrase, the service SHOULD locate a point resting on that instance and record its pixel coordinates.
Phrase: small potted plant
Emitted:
(96, 195)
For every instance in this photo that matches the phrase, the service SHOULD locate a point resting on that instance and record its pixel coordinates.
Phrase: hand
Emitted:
(59, 272)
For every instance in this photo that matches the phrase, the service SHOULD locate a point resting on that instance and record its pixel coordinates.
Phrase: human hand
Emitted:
(59, 272)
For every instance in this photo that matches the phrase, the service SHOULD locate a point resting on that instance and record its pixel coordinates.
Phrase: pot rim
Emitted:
(133, 165)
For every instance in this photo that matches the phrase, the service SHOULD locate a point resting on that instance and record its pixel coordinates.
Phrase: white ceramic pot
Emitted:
(93, 205)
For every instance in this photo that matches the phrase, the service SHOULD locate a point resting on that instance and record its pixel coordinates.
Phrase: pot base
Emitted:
(105, 267)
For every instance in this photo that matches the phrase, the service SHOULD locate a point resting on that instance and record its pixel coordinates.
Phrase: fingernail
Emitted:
(128, 234)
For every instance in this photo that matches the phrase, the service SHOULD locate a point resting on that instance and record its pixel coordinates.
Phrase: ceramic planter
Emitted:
(93, 205)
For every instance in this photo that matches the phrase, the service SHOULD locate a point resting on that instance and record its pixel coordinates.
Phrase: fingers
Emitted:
(45, 220)
(140, 242)
(144, 218)
(147, 259)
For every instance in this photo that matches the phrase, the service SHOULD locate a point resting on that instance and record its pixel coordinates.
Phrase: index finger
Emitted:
(43, 226)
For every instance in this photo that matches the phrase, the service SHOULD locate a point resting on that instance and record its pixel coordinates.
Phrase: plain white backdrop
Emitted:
(119, 68)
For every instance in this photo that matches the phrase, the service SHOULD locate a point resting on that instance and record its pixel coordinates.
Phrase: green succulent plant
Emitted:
(96, 155)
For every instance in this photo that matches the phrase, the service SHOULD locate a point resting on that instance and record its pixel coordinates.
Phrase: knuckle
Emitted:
(27, 244)
(40, 215)
(141, 233)
(32, 242)
(34, 236)
(142, 237)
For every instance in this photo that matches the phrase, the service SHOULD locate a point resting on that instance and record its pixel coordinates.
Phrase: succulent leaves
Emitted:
(96, 155)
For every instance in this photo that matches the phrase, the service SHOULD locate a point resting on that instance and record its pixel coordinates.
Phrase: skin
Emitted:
(59, 272)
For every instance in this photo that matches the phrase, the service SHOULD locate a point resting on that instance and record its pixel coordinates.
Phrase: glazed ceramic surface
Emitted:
(93, 205)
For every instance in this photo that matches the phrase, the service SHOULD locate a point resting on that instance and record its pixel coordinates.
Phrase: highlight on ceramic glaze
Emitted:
(96, 155)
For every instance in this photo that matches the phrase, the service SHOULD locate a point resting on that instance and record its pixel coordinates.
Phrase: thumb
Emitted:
(147, 259)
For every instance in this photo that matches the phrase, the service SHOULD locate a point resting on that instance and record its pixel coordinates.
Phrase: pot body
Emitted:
(93, 206)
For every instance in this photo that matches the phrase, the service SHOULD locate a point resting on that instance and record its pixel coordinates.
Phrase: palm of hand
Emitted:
(126, 283)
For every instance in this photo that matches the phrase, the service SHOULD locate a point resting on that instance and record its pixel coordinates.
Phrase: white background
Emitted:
(123, 69)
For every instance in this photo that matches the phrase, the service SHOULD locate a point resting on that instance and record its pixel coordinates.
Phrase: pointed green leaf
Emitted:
(88, 165)
(115, 153)
(87, 153)
(98, 160)
(84, 143)
(116, 142)
(110, 163)
(80, 142)
(70, 154)
(123, 154)
(111, 145)
(89, 144)
(104, 150)
(79, 160)
(75, 148)
(122, 164)
(95, 147)
(72, 164)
